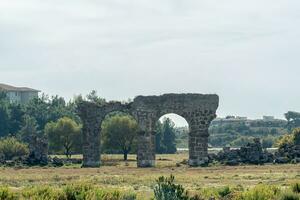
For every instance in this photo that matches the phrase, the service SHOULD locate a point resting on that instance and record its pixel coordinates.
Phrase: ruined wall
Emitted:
(198, 109)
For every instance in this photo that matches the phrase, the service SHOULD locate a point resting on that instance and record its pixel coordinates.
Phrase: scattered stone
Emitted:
(252, 153)
(57, 162)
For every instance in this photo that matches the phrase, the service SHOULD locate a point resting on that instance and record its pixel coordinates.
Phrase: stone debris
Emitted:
(252, 153)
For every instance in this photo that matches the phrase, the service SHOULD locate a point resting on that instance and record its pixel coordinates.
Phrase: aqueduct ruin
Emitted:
(198, 110)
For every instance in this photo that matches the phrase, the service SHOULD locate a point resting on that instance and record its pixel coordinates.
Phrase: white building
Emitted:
(20, 95)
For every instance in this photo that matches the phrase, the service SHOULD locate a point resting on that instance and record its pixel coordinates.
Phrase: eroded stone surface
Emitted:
(198, 110)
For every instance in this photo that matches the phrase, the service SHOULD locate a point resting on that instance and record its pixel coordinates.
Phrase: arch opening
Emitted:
(118, 135)
(171, 134)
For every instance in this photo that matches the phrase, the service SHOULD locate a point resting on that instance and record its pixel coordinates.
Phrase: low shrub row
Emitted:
(165, 189)
(70, 192)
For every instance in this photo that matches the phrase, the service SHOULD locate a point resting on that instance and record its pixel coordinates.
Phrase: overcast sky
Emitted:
(247, 52)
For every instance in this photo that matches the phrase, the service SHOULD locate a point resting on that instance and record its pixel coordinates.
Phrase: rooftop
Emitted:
(10, 88)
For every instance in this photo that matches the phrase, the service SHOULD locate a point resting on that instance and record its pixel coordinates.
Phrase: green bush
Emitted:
(166, 189)
(289, 196)
(6, 194)
(11, 148)
(259, 192)
(296, 187)
(78, 191)
(43, 192)
(223, 192)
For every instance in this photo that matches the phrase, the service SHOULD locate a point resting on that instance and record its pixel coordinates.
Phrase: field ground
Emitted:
(126, 176)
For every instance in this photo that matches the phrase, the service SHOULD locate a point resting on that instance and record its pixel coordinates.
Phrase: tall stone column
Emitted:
(146, 139)
(198, 144)
(91, 143)
(146, 149)
(198, 136)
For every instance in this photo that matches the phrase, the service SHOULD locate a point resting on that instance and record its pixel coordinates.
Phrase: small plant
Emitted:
(223, 192)
(296, 187)
(166, 189)
(289, 196)
(43, 192)
(6, 194)
(78, 191)
(259, 192)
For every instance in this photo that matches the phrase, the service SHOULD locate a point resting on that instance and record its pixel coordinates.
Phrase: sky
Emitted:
(247, 52)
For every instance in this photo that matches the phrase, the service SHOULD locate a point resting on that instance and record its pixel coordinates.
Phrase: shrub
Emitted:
(43, 192)
(223, 192)
(259, 192)
(166, 189)
(78, 191)
(289, 196)
(296, 187)
(6, 194)
(10, 147)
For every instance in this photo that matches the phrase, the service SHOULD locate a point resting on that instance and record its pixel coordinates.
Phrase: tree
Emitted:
(29, 128)
(296, 136)
(289, 139)
(38, 108)
(93, 97)
(64, 135)
(4, 115)
(16, 114)
(293, 119)
(165, 137)
(119, 133)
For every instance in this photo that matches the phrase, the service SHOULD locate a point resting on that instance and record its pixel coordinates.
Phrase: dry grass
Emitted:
(125, 175)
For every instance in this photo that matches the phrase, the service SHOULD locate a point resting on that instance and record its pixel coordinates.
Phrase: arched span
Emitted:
(198, 109)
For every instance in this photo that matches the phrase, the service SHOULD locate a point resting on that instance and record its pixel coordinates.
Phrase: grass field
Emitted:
(116, 173)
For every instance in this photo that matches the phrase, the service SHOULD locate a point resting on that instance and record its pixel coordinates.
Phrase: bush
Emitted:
(296, 187)
(289, 196)
(166, 189)
(78, 191)
(6, 194)
(259, 192)
(11, 148)
(43, 192)
(223, 192)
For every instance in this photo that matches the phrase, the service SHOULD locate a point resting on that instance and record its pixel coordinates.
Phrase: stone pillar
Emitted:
(146, 149)
(146, 139)
(198, 144)
(198, 136)
(91, 143)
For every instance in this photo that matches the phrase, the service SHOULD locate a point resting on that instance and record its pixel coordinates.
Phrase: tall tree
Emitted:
(119, 133)
(4, 114)
(16, 114)
(165, 137)
(29, 128)
(293, 119)
(64, 135)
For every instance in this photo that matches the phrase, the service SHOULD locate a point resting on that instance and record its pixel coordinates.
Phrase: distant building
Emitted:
(19, 95)
(268, 118)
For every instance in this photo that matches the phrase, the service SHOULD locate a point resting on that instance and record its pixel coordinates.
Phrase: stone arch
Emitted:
(198, 109)
(92, 116)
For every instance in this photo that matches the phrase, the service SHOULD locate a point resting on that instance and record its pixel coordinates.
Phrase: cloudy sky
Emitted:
(247, 52)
